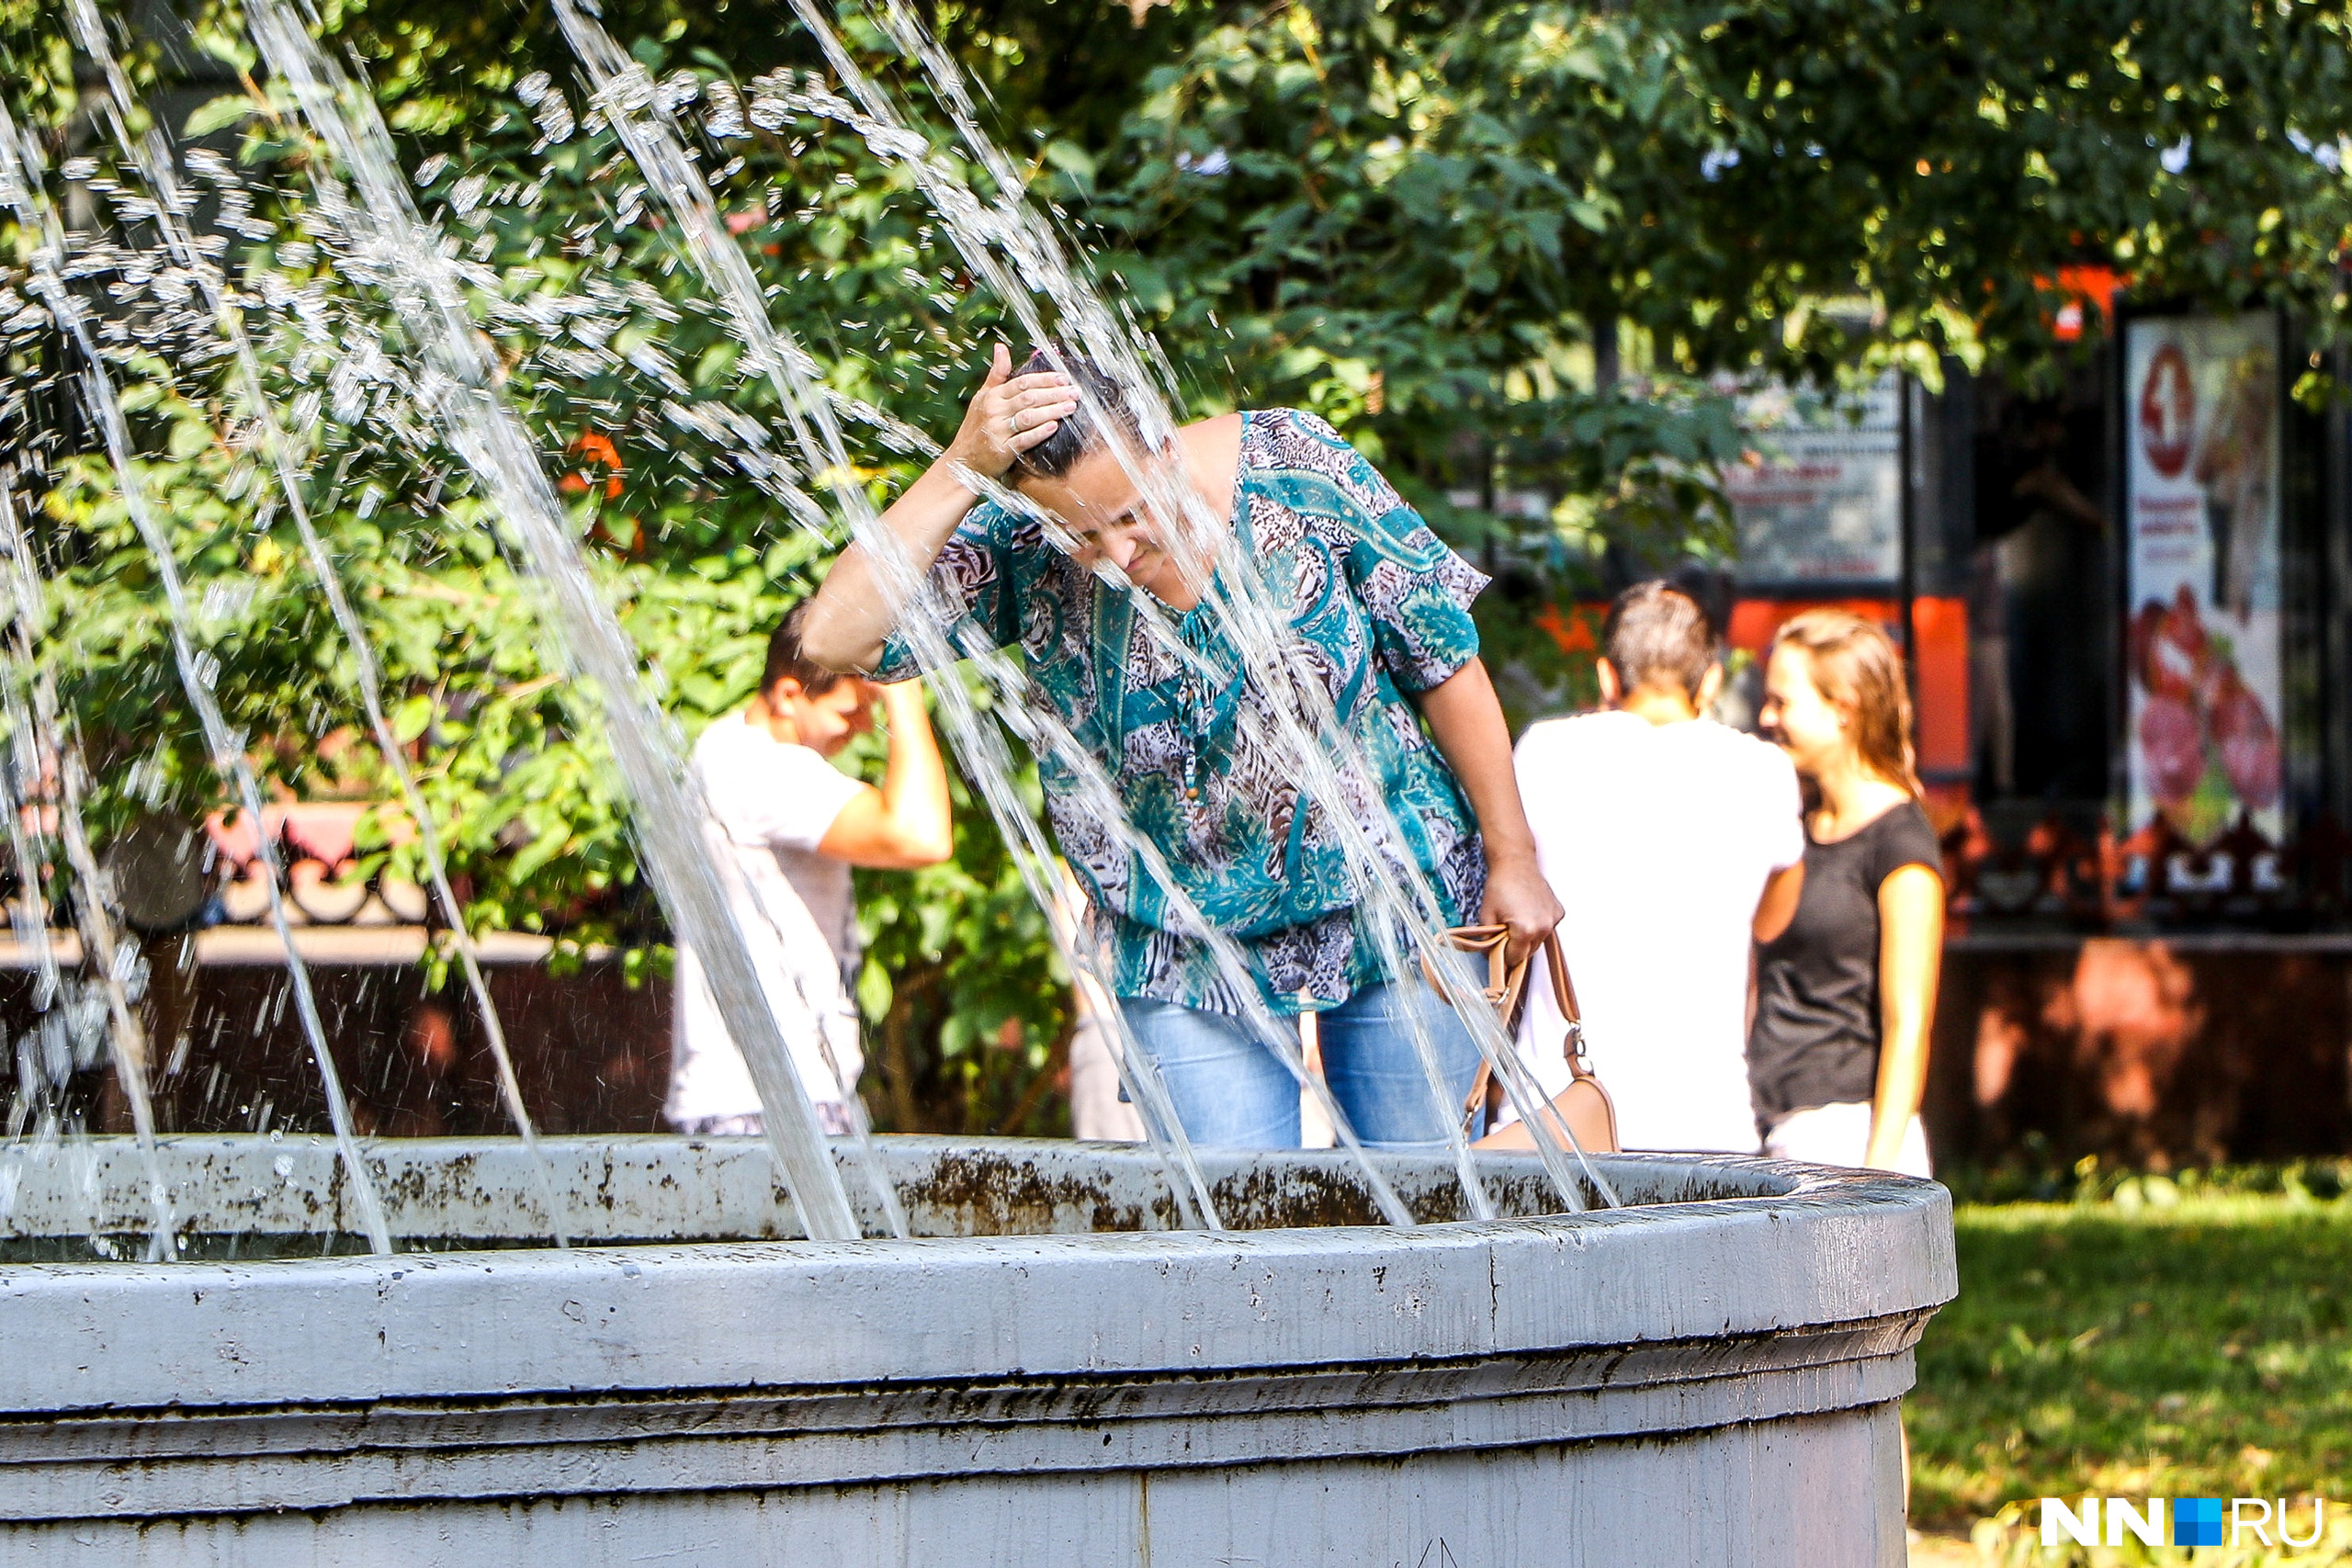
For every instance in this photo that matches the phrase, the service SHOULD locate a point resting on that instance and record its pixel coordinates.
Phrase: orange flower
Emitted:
(593, 446)
(1574, 634)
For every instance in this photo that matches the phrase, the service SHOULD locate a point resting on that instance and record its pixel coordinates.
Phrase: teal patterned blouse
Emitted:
(1378, 607)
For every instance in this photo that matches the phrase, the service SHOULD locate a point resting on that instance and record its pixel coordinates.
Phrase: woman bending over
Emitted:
(1369, 603)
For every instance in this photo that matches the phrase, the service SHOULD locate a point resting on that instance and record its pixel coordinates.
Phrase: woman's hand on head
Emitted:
(1008, 415)
(1519, 897)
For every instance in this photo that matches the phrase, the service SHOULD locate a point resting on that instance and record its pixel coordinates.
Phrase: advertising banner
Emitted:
(1824, 501)
(2201, 485)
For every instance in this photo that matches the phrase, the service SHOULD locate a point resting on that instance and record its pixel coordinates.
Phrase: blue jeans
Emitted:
(1230, 1090)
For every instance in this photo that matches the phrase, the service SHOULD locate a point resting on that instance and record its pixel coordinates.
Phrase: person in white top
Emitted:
(1675, 842)
(786, 827)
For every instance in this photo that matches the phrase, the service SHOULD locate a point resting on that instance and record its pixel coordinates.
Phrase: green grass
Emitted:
(2166, 1345)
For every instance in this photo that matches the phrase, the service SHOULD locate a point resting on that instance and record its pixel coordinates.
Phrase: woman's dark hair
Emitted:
(1079, 434)
(786, 659)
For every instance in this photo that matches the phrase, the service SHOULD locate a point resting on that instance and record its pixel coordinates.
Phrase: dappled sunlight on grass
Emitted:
(2192, 1346)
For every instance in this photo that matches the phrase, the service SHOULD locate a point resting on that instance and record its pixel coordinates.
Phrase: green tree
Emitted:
(1442, 225)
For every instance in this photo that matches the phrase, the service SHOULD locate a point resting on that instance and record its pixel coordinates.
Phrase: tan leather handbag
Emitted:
(1585, 1104)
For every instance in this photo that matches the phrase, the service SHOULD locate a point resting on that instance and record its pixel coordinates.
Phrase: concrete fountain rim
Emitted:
(1833, 1250)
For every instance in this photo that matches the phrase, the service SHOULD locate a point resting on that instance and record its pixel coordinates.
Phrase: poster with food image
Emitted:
(2202, 566)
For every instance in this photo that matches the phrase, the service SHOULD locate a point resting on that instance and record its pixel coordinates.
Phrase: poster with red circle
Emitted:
(2203, 563)
(2167, 411)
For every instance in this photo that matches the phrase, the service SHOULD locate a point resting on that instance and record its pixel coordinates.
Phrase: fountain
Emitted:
(879, 1350)
(1044, 1373)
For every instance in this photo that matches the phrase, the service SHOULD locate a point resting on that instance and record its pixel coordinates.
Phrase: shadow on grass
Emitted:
(2175, 1343)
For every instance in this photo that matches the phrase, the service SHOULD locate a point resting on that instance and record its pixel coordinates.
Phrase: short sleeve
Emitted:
(772, 797)
(1417, 591)
(1544, 763)
(1906, 838)
(1781, 830)
(976, 579)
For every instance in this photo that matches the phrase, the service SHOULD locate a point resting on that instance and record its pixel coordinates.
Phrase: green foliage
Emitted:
(1451, 195)
(2034, 1177)
(1394, 214)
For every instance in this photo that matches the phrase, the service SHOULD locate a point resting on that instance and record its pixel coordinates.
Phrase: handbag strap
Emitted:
(1506, 982)
(1564, 992)
(1507, 986)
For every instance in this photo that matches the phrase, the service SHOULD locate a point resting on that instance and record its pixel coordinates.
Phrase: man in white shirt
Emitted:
(1674, 842)
(787, 826)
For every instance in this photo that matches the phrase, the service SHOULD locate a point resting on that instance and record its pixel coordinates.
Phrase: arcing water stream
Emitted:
(44, 1055)
(38, 725)
(152, 159)
(626, 94)
(478, 426)
(380, 245)
(635, 108)
(19, 191)
(1010, 245)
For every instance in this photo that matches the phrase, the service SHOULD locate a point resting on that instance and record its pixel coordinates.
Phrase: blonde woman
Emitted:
(1837, 1056)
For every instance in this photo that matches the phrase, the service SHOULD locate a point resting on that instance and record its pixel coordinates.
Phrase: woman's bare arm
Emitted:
(1465, 719)
(1778, 906)
(1911, 945)
(858, 607)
